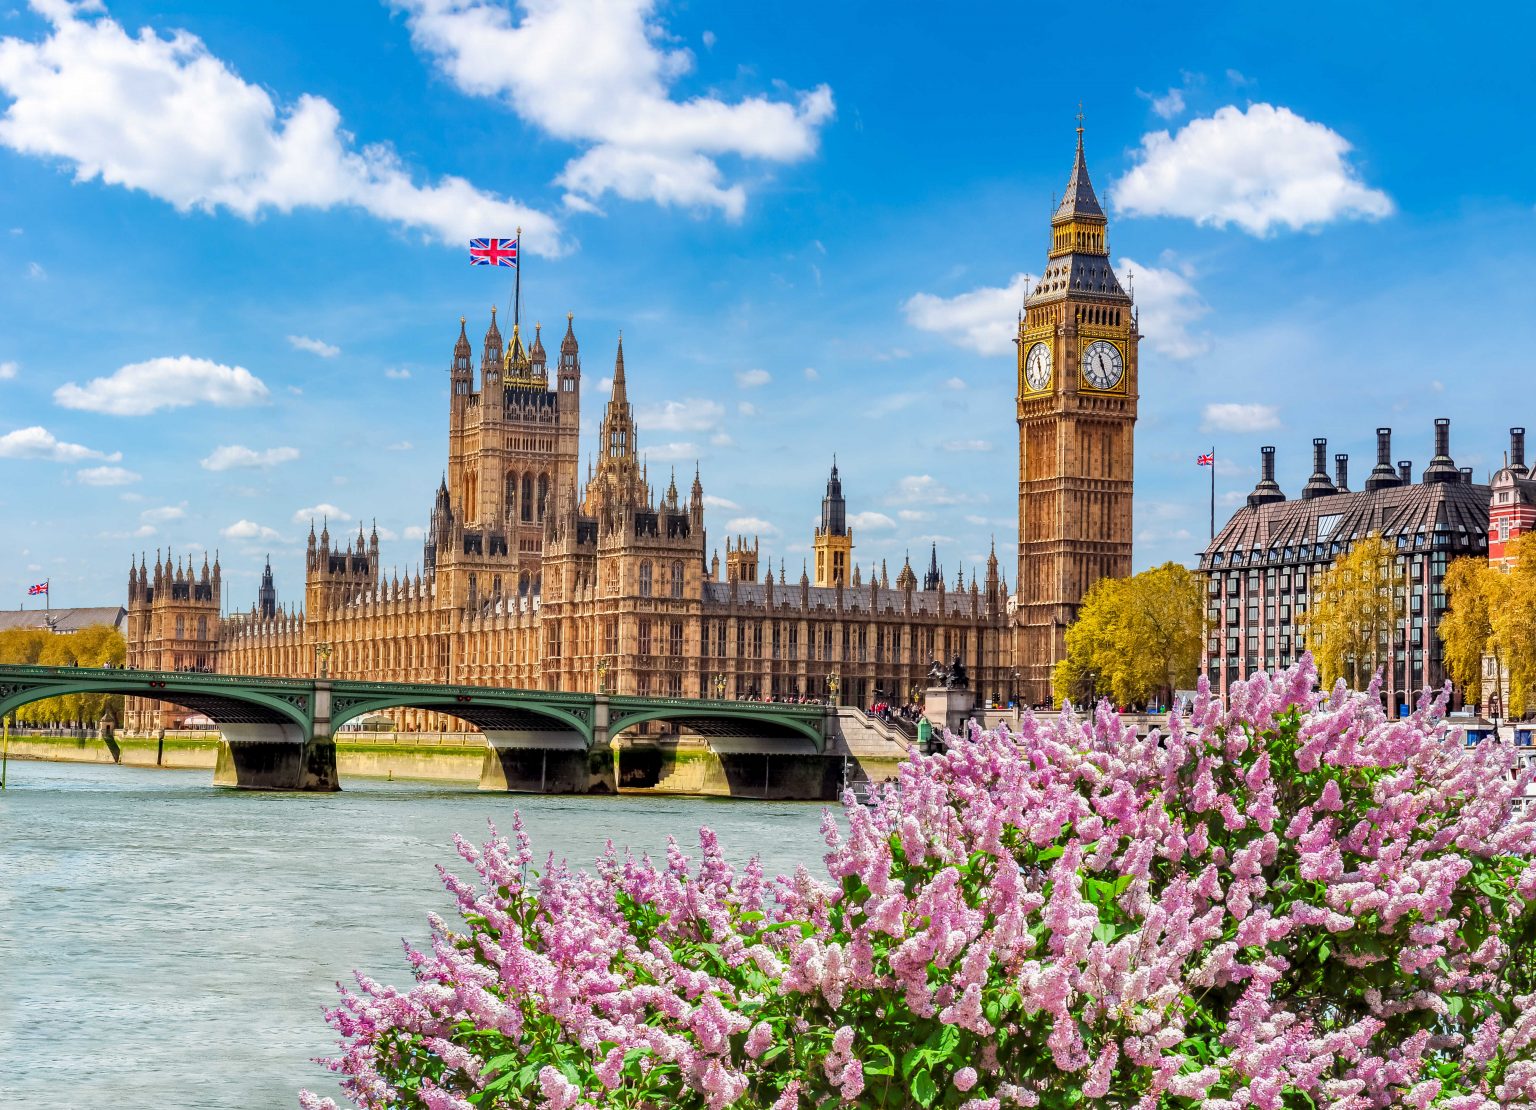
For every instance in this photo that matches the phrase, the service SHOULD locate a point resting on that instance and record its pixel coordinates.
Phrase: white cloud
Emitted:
(722, 439)
(399, 374)
(35, 270)
(910, 516)
(7, 371)
(106, 476)
(164, 383)
(871, 521)
(599, 73)
(745, 525)
(1260, 169)
(812, 374)
(984, 320)
(403, 445)
(1231, 417)
(323, 511)
(694, 414)
(924, 489)
(165, 116)
(605, 385)
(313, 346)
(713, 502)
(248, 530)
(165, 514)
(415, 532)
(956, 384)
(1168, 304)
(708, 39)
(670, 452)
(235, 457)
(958, 445)
(751, 379)
(746, 408)
(1168, 105)
(39, 443)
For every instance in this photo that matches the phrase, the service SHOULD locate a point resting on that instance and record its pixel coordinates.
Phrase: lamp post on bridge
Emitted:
(719, 687)
(834, 681)
(602, 676)
(323, 658)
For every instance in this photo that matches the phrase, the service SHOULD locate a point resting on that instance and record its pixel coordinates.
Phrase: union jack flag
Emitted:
(493, 252)
(40, 588)
(1205, 460)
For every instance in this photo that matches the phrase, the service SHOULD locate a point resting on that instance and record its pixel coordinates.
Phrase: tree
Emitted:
(1475, 590)
(1354, 613)
(1514, 624)
(1134, 638)
(91, 646)
(1292, 901)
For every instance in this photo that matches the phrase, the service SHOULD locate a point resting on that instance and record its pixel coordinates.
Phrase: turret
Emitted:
(934, 578)
(461, 373)
(1268, 490)
(536, 351)
(490, 355)
(266, 597)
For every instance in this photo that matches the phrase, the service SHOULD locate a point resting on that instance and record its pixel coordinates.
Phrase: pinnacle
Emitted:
(1079, 198)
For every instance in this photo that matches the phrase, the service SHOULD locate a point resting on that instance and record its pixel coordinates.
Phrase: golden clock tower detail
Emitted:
(1077, 396)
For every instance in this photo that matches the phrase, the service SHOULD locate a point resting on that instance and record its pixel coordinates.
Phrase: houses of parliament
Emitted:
(536, 576)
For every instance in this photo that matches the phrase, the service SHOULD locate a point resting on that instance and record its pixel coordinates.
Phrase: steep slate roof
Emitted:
(1319, 528)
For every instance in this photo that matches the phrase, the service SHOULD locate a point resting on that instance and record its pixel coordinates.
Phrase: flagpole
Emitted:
(517, 284)
(1213, 492)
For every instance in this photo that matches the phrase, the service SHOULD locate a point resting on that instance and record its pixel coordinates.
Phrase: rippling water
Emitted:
(164, 943)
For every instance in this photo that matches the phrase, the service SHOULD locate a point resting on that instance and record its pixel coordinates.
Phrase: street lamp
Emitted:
(602, 676)
(719, 687)
(1013, 692)
(834, 680)
(323, 658)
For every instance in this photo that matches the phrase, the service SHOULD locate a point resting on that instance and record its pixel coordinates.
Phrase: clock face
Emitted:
(1037, 367)
(1102, 365)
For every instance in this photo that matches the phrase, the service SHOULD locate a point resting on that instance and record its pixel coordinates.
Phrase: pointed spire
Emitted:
(1079, 198)
(619, 396)
(568, 344)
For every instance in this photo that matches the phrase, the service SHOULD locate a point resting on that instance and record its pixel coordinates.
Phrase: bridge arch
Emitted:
(487, 713)
(717, 720)
(233, 705)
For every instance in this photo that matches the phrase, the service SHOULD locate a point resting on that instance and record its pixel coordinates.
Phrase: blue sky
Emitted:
(232, 261)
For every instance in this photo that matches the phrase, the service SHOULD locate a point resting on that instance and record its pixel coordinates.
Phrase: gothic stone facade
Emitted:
(532, 580)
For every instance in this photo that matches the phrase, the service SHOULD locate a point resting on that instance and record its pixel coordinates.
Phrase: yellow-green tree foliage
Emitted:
(1138, 638)
(1513, 620)
(92, 646)
(1354, 611)
(1475, 591)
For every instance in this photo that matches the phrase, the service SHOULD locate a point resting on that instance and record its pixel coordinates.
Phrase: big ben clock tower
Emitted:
(1077, 398)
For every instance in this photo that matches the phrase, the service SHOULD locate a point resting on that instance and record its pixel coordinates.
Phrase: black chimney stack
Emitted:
(1341, 472)
(1318, 485)
(1405, 471)
(1268, 490)
(1466, 475)
(1441, 468)
(1383, 475)
(1517, 450)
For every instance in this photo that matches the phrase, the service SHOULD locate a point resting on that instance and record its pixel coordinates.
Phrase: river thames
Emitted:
(166, 943)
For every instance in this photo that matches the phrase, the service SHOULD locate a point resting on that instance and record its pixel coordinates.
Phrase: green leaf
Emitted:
(924, 1089)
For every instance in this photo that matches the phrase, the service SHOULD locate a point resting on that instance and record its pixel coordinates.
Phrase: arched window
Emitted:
(181, 628)
(677, 579)
(543, 494)
(522, 584)
(538, 584)
(527, 498)
(645, 578)
(202, 628)
(512, 495)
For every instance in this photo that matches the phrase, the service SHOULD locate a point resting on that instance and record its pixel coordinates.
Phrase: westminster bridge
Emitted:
(279, 733)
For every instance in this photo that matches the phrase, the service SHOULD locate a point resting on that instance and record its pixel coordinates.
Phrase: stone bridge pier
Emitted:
(280, 755)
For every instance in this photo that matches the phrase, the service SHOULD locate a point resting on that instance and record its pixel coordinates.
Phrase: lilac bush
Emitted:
(1287, 901)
